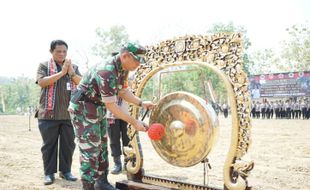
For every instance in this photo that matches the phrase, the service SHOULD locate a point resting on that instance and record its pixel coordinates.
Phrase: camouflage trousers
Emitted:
(90, 128)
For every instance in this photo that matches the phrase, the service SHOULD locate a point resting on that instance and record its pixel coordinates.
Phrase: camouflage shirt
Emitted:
(103, 82)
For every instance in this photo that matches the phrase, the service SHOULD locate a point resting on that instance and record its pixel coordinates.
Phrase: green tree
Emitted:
(109, 41)
(231, 28)
(190, 79)
(295, 50)
(20, 92)
(264, 61)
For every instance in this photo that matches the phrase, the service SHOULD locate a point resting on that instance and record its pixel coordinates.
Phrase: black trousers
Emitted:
(116, 131)
(52, 132)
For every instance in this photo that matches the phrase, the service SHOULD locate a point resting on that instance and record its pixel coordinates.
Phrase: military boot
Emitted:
(87, 185)
(117, 168)
(102, 182)
(125, 164)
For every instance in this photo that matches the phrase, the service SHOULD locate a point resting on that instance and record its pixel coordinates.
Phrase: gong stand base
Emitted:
(155, 183)
(131, 185)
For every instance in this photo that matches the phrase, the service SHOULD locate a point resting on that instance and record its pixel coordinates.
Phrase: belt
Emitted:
(87, 99)
(79, 96)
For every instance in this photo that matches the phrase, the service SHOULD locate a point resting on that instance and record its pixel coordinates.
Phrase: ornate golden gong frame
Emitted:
(223, 54)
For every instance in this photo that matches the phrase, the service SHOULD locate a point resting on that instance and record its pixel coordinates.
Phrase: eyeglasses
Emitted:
(140, 59)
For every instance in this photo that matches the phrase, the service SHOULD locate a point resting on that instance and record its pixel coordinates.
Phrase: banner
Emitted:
(294, 84)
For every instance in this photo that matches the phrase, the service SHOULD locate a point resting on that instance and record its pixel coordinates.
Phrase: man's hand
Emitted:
(140, 126)
(71, 71)
(65, 66)
(148, 104)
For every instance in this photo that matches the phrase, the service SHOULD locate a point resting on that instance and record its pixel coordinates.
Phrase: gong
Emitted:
(191, 128)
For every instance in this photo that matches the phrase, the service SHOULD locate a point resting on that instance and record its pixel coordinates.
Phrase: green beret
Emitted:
(134, 48)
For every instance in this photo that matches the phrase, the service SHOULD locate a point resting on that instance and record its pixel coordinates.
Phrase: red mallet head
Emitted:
(156, 131)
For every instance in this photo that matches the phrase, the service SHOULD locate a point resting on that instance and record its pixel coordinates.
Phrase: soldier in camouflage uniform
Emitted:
(98, 91)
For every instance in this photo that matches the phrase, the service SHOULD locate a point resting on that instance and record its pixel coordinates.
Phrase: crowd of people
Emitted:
(274, 109)
(281, 109)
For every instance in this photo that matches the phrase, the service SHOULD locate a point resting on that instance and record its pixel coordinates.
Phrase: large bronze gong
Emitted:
(191, 128)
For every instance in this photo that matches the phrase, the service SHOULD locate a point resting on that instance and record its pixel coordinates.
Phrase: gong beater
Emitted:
(191, 127)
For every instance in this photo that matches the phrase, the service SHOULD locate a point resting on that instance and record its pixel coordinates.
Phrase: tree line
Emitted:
(18, 95)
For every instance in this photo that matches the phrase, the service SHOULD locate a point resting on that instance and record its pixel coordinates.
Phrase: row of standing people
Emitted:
(281, 109)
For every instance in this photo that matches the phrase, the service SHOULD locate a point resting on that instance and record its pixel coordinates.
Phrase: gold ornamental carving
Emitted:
(223, 54)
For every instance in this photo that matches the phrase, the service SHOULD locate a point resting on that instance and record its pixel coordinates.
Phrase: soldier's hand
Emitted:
(140, 126)
(148, 105)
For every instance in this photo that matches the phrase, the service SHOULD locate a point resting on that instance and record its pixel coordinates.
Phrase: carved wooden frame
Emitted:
(223, 53)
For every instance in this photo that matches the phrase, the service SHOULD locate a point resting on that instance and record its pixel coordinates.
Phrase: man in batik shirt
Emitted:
(57, 78)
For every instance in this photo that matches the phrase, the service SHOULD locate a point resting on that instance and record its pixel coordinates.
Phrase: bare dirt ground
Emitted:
(280, 150)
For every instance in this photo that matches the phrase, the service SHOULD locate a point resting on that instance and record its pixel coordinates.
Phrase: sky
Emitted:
(28, 26)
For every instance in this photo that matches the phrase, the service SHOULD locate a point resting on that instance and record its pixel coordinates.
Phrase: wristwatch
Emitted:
(140, 103)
